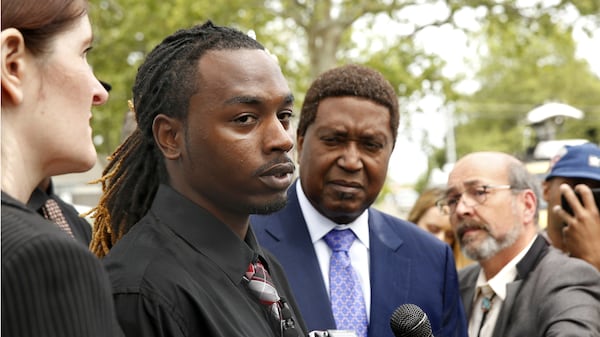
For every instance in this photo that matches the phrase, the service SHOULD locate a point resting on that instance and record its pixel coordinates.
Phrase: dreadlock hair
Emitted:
(349, 80)
(163, 85)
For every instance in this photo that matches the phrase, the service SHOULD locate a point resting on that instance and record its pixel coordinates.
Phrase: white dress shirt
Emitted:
(318, 226)
(498, 284)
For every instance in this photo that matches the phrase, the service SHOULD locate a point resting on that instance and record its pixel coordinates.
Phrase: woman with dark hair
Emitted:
(51, 285)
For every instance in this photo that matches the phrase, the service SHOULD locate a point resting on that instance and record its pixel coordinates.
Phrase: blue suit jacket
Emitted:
(407, 264)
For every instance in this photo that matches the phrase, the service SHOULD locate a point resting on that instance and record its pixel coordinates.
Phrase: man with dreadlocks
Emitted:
(211, 147)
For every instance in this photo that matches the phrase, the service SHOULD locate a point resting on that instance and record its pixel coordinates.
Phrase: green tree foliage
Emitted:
(126, 30)
(310, 36)
(525, 64)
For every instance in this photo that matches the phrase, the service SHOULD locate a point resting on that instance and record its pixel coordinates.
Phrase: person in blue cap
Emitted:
(574, 168)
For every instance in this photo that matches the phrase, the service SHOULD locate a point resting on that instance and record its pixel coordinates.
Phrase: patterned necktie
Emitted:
(261, 286)
(260, 283)
(347, 302)
(53, 213)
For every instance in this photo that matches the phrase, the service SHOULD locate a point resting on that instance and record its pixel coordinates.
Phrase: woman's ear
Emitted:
(169, 137)
(13, 66)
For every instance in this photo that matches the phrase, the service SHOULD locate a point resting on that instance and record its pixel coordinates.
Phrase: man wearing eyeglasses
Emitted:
(520, 286)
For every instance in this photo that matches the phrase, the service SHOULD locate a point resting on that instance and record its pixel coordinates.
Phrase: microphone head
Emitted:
(408, 320)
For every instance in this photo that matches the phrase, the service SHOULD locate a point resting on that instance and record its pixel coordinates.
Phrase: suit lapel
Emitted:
(293, 247)
(538, 249)
(468, 280)
(389, 272)
(512, 289)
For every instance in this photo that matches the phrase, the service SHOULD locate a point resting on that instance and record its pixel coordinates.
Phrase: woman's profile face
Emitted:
(437, 224)
(64, 96)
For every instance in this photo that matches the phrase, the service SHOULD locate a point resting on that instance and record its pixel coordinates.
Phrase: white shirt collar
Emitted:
(318, 225)
(507, 274)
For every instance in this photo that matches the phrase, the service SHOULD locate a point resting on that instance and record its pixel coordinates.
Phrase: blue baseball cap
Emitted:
(577, 161)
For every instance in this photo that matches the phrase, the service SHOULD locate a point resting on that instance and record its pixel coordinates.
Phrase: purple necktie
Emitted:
(345, 293)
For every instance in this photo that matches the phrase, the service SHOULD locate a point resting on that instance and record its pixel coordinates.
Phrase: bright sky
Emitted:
(408, 160)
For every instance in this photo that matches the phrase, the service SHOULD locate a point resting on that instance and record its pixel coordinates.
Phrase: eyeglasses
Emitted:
(477, 194)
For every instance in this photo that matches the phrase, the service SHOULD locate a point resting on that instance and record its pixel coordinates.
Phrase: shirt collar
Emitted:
(318, 225)
(205, 233)
(37, 199)
(506, 275)
(10, 201)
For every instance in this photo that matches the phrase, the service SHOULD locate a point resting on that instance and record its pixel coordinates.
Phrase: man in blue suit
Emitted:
(346, 133)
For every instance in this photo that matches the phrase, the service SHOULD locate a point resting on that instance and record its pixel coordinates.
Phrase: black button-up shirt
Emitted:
(178, 272)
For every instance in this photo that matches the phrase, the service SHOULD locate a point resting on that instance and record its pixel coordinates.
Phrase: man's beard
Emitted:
(490, 245)
(268, 208)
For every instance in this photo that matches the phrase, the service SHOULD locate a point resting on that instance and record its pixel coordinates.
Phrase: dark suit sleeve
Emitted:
(571, 302)
(454, 319)
(285, 290)
(53, 286)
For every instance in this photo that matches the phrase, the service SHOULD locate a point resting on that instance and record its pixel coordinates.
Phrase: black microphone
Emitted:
(410, 321)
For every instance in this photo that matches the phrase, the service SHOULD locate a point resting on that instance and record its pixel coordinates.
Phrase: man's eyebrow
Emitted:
(243, 100)
(288, 99)
(470, 183)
